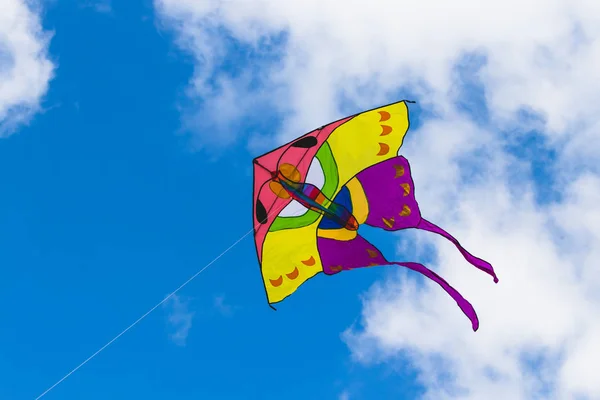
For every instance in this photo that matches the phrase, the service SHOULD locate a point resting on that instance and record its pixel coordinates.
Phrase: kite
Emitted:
(312, 194)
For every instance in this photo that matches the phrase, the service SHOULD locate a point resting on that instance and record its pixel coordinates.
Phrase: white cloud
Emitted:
(528, 65)
(25, 68)
(542, 308)
(179, 319)
(223, 307)
(100, 6)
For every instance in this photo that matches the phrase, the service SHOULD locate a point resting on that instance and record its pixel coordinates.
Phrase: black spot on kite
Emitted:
(306, 143)
(261, 212)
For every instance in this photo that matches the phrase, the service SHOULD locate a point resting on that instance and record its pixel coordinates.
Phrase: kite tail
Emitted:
(340, 255)
(464, 305)
(475, 261)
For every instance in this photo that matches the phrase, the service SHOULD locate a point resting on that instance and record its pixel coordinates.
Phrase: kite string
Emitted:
(148, 312)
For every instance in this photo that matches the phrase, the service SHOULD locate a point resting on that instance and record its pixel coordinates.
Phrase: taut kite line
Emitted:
(327, 183)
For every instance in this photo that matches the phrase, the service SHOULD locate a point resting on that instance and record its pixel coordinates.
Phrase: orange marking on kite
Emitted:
(320, 198)
(372, 253)
(278, 190)
(290, 172)
(405, 211)
(294, 274)
(406, 188)
(383, 149)
(310, 262)
(277, 282)
(384, 116)
(385, 130)
(389, 222)
(373, 265)
(399, 171)
(337, 268)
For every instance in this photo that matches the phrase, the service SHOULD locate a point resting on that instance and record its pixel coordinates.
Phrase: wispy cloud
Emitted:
(100, 6)
(25, 66)
(179, 319)
(344, 396)
(222, 307)
(528, 70)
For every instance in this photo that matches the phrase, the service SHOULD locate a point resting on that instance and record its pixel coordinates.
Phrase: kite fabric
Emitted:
(312, 194)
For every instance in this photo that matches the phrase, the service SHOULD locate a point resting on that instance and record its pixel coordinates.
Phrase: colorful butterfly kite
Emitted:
(312, 194)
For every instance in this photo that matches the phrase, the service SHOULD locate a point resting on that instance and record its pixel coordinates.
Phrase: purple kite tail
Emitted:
(475, 261)
(464, 305)
(338, 255)
(390, 192)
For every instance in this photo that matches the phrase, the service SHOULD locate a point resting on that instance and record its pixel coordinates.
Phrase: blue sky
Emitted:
(106, 208)
(127, 131)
